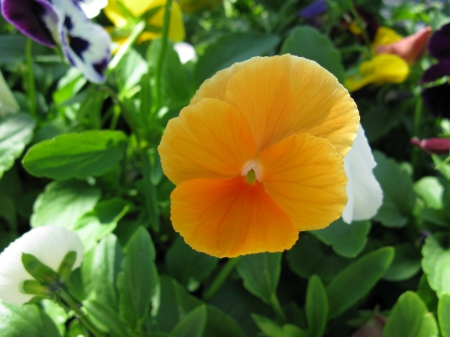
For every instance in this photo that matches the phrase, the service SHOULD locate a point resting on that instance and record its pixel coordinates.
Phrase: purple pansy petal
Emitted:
(86, 45)
(439, 45)
(437, 100)
(315, 8)
(436, 71)
(37, 19)
(433, 145)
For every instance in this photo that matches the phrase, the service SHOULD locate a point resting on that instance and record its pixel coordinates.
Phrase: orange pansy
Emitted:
(257, 156)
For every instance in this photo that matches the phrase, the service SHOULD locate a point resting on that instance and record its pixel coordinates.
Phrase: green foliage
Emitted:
(316, 307)
(410, 318)
(76, 155)
(443, 314)
(436, 263)
(309, 43)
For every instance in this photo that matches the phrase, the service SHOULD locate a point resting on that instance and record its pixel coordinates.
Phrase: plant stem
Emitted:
(417, 118)
(220, 279)
(275, 304)
(75, 307)
(29, 78)
(162, 54)
(363, 29)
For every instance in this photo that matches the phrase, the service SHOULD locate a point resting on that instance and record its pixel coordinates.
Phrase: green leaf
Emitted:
(308, 42)
(355, 281)
(427, 294)
(410, 318)
(308, 257)
(101, 221)
(398, 193)
(16, 131)
(138, 280)
(436, 263)
(431, 191)
(260, 273)
(443, 315)
(316, 307)
(174, 81)
(379, 119)
(129, 71)
(193, 324)
(63, 202)
(76, 155)
(103, 270)
(346, 240)
(232, 48)
(25, 320)
(188, 266)
(106, 318)
(176, 303)
(268, 327)
(406, 263)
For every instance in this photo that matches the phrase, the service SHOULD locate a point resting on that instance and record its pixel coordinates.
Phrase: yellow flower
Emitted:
(257, 156)
(384, 36)
(136, 8)
(383, 68)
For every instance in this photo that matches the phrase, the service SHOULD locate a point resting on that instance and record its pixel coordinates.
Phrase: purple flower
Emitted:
(312, 10)
(439, 48)
(85, 45)
(436, 100)
(433, 145)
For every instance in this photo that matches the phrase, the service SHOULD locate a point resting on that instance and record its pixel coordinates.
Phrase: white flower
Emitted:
(49, 244)
(92, 8)
(186, 52)
(363, 190)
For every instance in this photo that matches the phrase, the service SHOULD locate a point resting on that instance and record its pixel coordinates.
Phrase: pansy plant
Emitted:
(85, 45)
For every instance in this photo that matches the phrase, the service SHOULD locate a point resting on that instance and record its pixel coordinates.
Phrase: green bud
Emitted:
(43, 274)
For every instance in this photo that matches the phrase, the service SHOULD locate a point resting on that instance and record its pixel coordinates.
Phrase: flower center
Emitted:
(252, 172)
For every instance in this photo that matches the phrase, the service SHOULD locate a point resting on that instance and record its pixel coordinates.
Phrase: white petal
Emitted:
(186, 51)
(49, 244)
(86, 45)
(92, 8)
(364, 192)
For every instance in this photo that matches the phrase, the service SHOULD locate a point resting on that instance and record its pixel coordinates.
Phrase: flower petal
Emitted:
(436, 71)
(284, 95)
(383, 68)
(439, 45)
(410, 48)
(49, 244)
(435, 100)
(209, 140)
(34, 18)
(363, 190)
(305, 176)
(92, 8)
(228, 217)
(86, 45)
(315, 8)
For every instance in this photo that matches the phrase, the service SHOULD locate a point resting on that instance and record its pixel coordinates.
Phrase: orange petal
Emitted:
(208, 140)
(306, 178)
(284, 95)
(228, 218)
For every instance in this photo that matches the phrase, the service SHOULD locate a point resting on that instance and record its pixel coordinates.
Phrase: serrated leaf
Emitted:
(25, 320)
(346, 240)
(232, 48)
(410, 318)
(193, 324)
(310, 43)
(398, 193)
(138, 280)
(63, 203)
(16, 131)
(188, 266)
(260, 273)
(76, 155)
(355, 281)
(316, 307)
(436, 263)
(443, 314)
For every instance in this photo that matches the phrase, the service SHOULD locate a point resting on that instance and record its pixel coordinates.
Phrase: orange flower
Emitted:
(257, 156)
